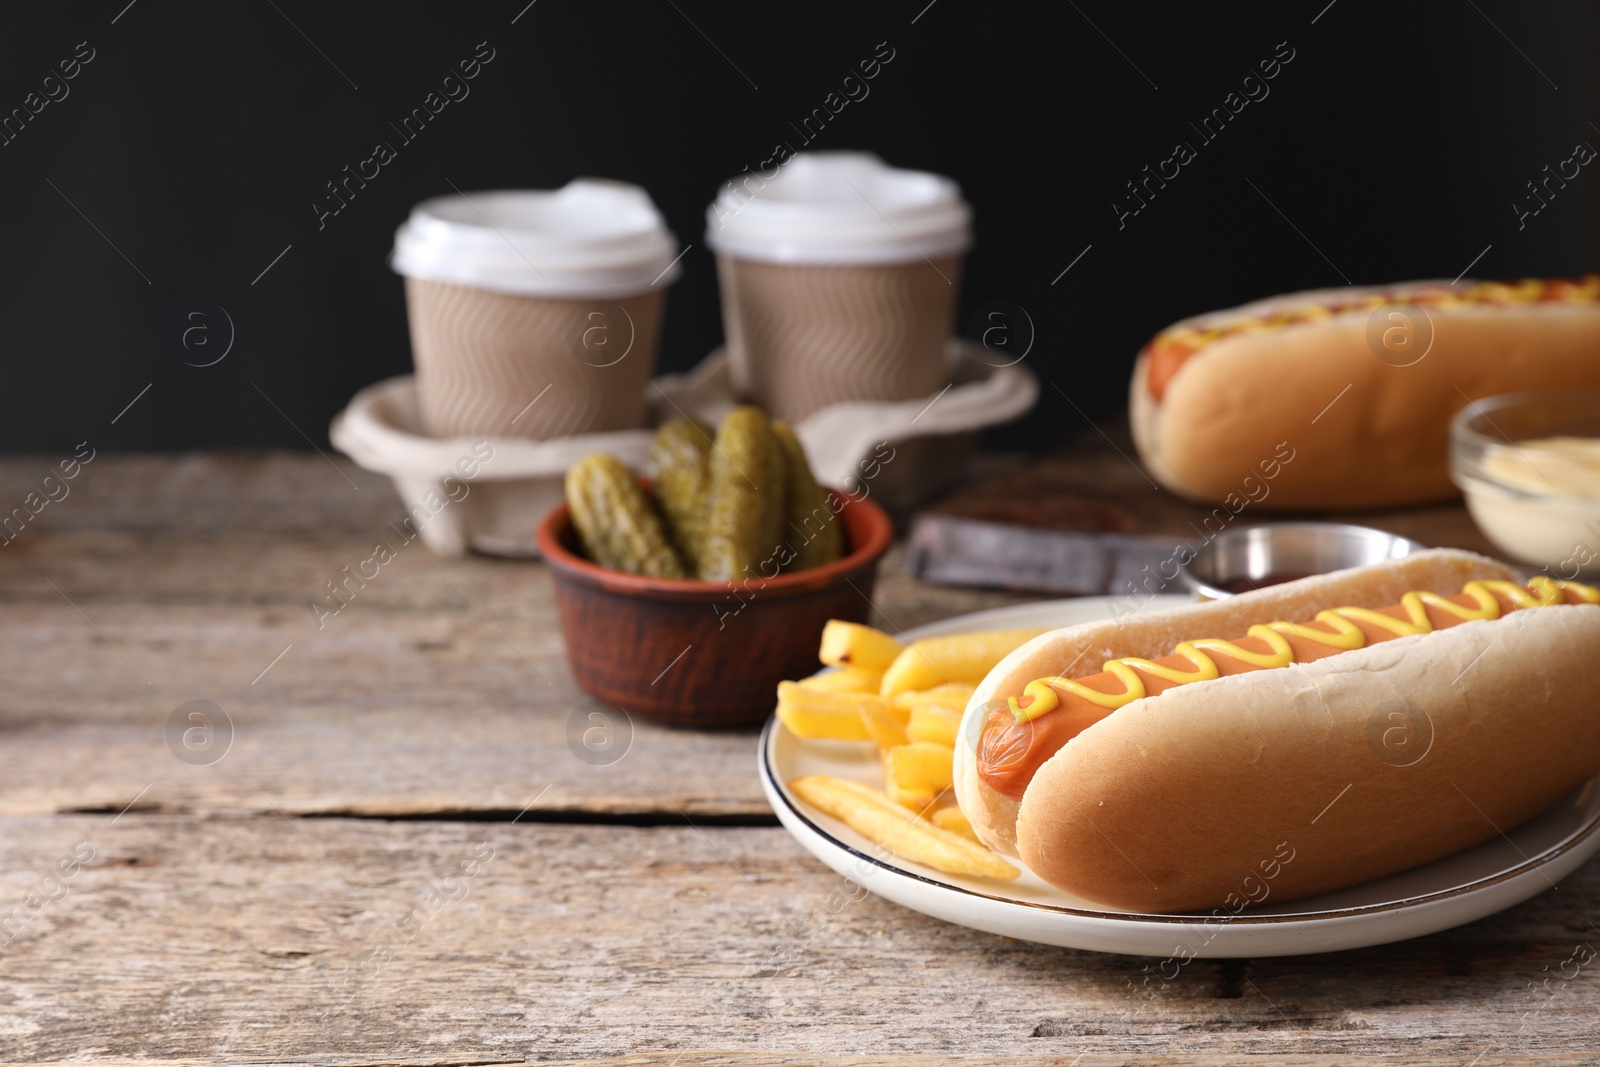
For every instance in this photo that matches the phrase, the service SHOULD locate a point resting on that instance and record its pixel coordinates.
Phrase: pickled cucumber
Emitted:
(811, 526)
(616, 522)
(745, 523)
(680, 463)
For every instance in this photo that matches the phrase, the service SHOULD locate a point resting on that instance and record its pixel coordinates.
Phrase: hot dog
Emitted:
(1156, 783)
(1360, 382)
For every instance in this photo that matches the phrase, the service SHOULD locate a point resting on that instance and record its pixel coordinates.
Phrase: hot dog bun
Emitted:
(1081, 649)
(1384, 440)
(1170, 802)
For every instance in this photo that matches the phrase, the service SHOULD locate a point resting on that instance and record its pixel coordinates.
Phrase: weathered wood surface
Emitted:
(441, 687)
(1094, 484)
(216, 923)
(337, 940)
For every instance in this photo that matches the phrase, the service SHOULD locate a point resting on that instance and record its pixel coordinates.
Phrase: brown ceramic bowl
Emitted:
(691, 653)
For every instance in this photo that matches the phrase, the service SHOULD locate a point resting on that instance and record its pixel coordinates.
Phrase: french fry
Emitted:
(953, 820)
(933, 723)
(916, 801)
(876, 817)
(920, 766)
(815, 714)
(955, 695)
(844, 680)
(884, 723)
(935, 661)
(849, 644)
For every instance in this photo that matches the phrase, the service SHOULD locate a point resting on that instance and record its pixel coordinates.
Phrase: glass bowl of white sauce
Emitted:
(1529, 466)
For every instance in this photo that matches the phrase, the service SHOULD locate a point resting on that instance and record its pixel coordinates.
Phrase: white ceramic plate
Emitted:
(1458, 889)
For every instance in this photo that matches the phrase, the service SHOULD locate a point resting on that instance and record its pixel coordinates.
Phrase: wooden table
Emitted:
(400, 859)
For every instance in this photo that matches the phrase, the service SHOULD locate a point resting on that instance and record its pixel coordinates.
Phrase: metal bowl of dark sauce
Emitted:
(1255, 557)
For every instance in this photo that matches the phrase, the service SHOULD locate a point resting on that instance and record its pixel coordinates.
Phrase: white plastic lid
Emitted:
(591, 238)
(840, 208)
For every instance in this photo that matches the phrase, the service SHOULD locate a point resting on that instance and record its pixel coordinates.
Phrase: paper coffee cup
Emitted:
(535, 314)
(839, 278)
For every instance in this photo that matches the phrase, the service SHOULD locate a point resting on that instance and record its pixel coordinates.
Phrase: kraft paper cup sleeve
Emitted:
(838, 275)
(804, 337)
(513, 292)
(483, 357)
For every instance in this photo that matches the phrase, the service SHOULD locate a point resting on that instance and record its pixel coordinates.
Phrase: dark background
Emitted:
(199, 136)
